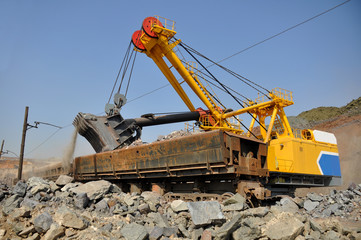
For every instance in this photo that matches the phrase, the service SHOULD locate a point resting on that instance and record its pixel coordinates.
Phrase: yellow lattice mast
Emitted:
(154, 40)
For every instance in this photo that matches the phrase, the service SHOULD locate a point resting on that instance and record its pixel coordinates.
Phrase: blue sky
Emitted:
(62, 57)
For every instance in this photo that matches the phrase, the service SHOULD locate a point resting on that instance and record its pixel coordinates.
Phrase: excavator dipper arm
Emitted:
(106, 133)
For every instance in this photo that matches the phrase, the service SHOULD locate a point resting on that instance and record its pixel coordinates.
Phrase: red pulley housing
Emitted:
(136, 40)
(148, 24)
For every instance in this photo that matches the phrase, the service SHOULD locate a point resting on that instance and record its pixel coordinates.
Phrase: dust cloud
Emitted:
(69, 152)
(350, 155)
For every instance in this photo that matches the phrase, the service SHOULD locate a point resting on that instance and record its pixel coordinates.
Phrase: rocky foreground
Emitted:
(41, 209)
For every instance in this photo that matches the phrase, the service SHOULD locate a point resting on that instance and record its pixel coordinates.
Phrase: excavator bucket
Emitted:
(106, 133)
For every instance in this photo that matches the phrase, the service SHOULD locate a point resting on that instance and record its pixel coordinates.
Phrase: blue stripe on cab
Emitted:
(330, 165)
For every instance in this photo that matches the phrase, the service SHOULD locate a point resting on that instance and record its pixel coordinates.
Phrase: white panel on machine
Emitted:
(325, 137)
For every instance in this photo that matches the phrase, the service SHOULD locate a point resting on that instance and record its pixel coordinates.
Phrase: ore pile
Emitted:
(175, 134)
(41, 209)
(172, 135)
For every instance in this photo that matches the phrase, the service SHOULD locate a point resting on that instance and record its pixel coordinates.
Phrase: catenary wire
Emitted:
(145, 94)
(47, 139)
(282, 32)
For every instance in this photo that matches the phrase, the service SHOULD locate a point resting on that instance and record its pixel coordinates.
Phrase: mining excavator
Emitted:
(263, 159)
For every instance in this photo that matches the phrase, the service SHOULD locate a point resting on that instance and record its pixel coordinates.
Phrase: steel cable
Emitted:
(120, 69)
(130, 74)
(240, 77)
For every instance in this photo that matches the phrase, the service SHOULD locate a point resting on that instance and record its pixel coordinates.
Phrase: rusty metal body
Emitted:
(206, 161)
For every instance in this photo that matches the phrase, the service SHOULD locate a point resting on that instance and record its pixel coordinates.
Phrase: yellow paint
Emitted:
(286, 152)
(295, 155)
(160, 47)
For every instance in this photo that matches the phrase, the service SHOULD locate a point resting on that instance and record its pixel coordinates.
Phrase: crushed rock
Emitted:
(98, 210)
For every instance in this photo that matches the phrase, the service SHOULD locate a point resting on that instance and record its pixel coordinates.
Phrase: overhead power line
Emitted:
(43, 141)
(282, 32)
(48, 138)
(145, 94)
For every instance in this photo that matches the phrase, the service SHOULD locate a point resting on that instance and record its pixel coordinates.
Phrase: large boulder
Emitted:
(20, 213)
(237, 198)
(20, 188)
(310, 205)
(204, 213)
(255, 212)
(11, 203)
(34, 181)
(144, 208)
(283, 227)
(159, 219)
(94, 189)
(226, 230)
(41, 187)
(314, 197)
(53, 187)
(333, 208)
(129, 200)
(179, 205)
(43, 222)
(30, 203)
(56, 231)
(102, 206)
(316, 226)
(115, 189)
(170, 231)
(27, 231)
(63, 180)
(247, 233)
(69, 186)
(151, 198)
(288, 205)
(134, 231)
(234, 207)
(81, 200)
(72, 220)
(156, 233)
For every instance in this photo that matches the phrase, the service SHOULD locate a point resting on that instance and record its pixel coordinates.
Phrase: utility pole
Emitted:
(21, 159)
(26, 127)
(2, 147)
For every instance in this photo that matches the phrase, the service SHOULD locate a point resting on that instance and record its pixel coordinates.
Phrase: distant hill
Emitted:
(310, 118)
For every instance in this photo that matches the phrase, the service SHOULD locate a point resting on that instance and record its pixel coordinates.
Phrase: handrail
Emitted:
(167, 23)
(283, 94)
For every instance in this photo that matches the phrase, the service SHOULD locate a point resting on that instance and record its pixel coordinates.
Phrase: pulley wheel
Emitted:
(148, 24)
(136, 40)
